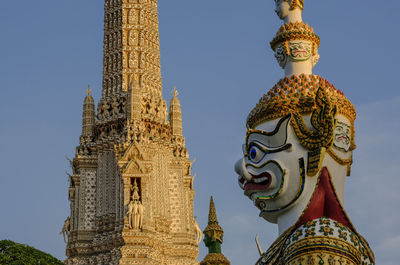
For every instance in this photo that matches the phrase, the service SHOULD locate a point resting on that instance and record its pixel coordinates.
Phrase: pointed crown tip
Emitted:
(212, 216)
(175, 92)
(212, 219)
(296, 4)
(89, 91)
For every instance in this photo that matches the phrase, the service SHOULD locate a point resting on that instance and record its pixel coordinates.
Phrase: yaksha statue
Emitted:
(297, 155)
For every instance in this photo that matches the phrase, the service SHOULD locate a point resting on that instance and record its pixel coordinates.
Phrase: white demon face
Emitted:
(271, 173)
(342, 134)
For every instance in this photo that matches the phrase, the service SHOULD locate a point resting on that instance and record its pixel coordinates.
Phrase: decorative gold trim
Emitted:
(321, 138)
(215, 259)
(296, 4)
(322, 244)
(296, 94)
(295, 31)
(352, 228)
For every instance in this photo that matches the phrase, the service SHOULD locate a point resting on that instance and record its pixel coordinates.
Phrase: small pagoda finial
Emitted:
(175, 114)
(88, 116)
(89, 91)
(212, 215)
(175, 92)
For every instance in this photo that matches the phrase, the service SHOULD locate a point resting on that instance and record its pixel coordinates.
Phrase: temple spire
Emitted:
(88, 115)
(213, 235)
(131, 47)
(175, 114)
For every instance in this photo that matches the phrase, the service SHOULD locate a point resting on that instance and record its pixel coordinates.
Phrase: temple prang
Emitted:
(131, 192)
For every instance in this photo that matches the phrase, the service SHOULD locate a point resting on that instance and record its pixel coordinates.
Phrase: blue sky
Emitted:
(218, 56)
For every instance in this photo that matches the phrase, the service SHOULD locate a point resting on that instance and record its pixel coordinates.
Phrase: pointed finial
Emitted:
(89, 91)
(175, 92)
(212, 215)
(213, 229)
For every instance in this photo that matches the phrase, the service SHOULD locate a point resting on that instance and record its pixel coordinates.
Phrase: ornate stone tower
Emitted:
(131, 191)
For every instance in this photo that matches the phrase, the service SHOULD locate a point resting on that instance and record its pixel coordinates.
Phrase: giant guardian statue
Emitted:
(297, 155)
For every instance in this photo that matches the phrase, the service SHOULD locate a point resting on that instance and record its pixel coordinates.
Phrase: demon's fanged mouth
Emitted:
(259, 182)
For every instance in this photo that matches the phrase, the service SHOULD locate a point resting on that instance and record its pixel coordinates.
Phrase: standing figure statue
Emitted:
(135, 209)
(66, 229)
(140, 215)
(131, 214)
(136, 215)
(297, 155)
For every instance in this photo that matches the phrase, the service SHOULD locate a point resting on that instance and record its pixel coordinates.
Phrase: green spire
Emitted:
(213, 239)
(213, 230)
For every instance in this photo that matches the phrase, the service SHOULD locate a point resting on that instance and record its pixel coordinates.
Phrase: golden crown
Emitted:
(296, 4)
(297, 94)
(296, 31)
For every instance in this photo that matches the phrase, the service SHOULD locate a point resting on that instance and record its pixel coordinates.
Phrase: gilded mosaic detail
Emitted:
(320, 241)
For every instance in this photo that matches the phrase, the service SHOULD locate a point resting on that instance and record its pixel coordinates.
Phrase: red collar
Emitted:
(324, 202)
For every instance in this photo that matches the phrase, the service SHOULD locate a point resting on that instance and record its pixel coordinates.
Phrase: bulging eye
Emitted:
(255, 154)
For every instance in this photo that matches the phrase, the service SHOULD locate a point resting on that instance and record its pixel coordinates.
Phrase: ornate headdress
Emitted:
(297, 94)
(295, 31)
(296, 4)
(306, 95)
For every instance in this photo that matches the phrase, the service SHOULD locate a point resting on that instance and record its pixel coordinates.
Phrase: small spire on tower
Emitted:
(213, 239)
(88, 115)
(175, 92)
(89, 91)
(175, 114)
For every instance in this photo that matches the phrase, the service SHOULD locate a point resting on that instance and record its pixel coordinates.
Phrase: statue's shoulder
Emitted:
(274, 254)
(320, 241)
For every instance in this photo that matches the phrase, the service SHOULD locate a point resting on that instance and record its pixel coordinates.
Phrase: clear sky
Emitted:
(217, 54)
